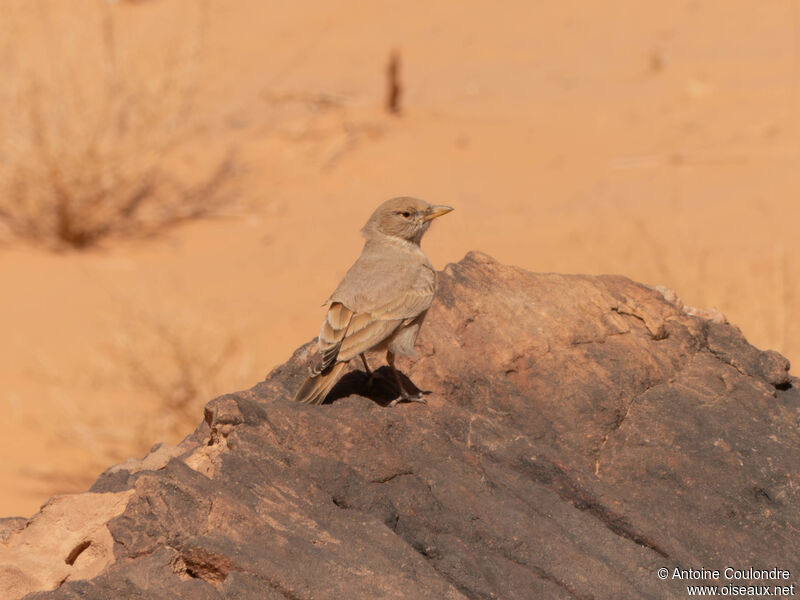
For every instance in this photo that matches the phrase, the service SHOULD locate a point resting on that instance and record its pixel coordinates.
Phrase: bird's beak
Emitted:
(436, 211)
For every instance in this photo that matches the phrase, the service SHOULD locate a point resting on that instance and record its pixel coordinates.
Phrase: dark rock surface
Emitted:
(581, 433)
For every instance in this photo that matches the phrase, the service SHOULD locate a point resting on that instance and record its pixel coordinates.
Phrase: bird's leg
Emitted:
(366, 366)
(404, 395)
(370, 374)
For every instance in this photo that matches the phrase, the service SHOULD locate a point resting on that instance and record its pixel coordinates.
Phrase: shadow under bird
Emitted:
(382, 300)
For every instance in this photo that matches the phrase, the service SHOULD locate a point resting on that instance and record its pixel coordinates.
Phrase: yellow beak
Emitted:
(436, 211)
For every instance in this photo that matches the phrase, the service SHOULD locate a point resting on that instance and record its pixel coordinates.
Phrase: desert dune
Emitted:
(655, 140)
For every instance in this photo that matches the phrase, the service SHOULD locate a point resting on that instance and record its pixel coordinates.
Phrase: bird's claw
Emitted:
(405, 397)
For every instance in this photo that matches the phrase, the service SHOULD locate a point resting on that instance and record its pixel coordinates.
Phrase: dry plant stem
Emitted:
(86, 155)
(394, 86)
(183, 393)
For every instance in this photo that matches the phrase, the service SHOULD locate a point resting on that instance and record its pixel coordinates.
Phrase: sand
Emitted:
(656, 140)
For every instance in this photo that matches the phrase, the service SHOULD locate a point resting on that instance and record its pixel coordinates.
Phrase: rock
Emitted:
(11, 525)
(581, 433)
(68, 539)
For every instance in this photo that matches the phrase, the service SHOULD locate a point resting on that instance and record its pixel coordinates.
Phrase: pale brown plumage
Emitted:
(382, 300)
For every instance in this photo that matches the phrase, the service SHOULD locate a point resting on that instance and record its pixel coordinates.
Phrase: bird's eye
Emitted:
(405, 214)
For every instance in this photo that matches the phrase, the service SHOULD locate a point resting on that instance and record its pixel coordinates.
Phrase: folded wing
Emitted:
(379, 294)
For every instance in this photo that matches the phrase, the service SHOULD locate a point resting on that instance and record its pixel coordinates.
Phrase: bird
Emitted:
(382, 300)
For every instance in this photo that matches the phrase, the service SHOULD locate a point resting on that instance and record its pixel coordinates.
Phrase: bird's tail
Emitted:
(316, 387)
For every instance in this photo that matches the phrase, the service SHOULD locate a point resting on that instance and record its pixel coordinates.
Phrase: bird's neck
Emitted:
(383, 240)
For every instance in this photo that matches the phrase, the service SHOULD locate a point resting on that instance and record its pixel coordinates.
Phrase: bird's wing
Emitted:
(388, 283)
(345, 335)
(334, 329)
(407, 303)
(365, 332)
(384, 287)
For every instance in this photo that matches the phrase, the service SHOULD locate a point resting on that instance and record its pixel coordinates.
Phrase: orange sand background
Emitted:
(654, 139)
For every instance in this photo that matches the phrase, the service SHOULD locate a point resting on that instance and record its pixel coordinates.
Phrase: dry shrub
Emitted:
(161, 367)
(180, 361)
(91, 114)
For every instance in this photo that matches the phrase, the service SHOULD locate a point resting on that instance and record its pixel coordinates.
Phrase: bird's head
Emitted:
(405, 218)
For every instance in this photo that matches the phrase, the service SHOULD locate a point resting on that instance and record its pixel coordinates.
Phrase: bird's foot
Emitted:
(406, 397)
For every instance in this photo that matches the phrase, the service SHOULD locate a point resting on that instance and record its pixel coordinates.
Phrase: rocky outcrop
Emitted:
(580, 434)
